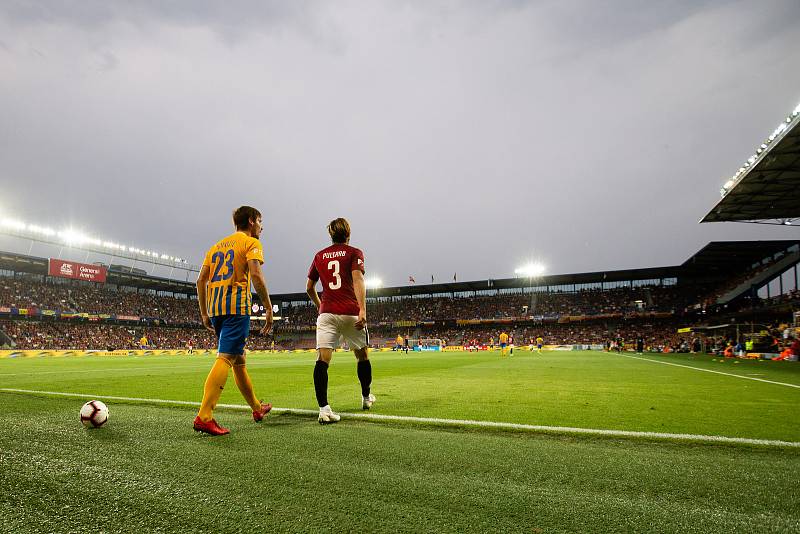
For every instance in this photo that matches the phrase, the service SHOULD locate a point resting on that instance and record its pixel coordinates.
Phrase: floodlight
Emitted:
(13, 224)
(782, 127)
(374, 283)
(75, 238)
(530, 270)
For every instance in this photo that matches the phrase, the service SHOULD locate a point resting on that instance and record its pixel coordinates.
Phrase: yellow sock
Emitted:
(215, 383)
(245, 386)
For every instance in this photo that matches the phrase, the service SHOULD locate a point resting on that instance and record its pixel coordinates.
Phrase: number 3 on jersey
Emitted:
(334, 265)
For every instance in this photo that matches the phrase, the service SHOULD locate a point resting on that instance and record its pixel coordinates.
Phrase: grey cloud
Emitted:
(457, 137)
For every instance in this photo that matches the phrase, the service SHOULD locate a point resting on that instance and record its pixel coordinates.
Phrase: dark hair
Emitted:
(339, 230)
(243, 215)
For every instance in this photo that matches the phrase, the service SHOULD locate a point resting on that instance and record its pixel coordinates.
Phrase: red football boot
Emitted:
(209, 427)
(259, 415)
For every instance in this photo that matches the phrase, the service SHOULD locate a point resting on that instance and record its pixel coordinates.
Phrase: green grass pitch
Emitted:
(148, 471)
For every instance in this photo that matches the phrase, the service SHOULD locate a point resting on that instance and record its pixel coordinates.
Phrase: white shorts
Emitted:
(331, 327)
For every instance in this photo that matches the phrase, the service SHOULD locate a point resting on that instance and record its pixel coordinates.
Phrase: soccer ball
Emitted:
(94, 414)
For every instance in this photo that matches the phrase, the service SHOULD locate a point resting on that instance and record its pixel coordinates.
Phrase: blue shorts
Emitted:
(502, 345)
(539, 346)
(232, 331)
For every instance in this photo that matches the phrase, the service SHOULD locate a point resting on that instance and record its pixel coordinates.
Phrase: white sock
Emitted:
(326, 408)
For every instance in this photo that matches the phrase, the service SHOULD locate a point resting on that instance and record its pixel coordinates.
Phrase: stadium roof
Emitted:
(723, 257)
(766, 189)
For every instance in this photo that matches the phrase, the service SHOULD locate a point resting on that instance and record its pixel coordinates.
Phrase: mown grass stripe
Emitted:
(715, 372)
(464, 423)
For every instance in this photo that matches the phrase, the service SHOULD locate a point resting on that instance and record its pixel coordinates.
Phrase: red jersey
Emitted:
(334, 266)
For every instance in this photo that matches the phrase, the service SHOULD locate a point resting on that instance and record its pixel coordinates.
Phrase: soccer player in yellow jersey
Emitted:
(224, 297)
(503, 343)
(539, 342)
(398, 343)
(143, 342)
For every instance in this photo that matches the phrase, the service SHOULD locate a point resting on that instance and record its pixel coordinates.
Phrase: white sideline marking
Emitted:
(715, 372)
(447, 422)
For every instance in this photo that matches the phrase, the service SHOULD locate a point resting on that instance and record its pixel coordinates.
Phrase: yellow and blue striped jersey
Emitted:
(228, 291)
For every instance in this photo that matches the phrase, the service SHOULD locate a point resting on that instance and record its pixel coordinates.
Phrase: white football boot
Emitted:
(366, 402)
(327, 417)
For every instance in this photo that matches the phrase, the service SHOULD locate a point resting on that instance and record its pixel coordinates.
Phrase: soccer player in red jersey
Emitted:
(342, 313)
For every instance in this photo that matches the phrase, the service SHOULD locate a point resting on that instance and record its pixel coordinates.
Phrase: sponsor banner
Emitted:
(453, 348)
(3, 309)
(127, 318)
(62, 353)
(405, 323)
(77, 271)
(428, 348)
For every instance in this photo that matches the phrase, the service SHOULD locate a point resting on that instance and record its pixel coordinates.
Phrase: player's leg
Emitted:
(212, 389)
(359, 341)
(245, 385)
(327, 341)
(231, 342)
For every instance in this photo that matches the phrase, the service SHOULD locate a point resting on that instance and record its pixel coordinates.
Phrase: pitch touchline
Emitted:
(448, 422)
(715, 372)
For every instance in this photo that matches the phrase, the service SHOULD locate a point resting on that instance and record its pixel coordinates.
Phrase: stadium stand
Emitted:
(41, 312)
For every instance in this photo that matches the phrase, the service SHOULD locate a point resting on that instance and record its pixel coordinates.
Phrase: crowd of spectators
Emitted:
(625, 301)
(618, 314)
(63, 335)
(72, 298)
(655, 334)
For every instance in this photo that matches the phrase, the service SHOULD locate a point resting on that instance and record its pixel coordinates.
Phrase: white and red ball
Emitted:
(94, 414)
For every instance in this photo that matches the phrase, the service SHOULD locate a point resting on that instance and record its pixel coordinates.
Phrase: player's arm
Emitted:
(360, 289)
(260, 285)
(202, 292)
(311, 291)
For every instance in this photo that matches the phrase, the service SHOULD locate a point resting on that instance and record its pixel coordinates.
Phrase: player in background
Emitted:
(398, 346)
(143, 342)
(405, 344)
(539, 343)
(491, 343)
(503, 343)
(511, 344)
(342, 313)
(225, 300)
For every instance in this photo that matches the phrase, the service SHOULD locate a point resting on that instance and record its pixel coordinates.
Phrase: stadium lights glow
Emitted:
(782, 127)
(374, 283)
(531, 269)
(76, 238)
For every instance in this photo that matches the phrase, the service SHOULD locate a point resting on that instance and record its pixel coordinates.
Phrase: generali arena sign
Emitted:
(77, 271)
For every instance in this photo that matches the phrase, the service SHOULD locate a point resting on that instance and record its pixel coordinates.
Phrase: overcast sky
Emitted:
(462, 137)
